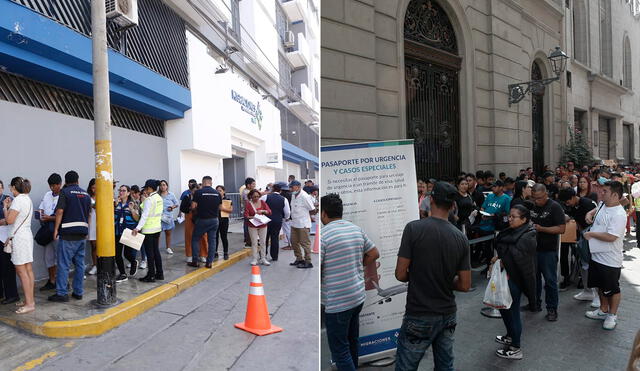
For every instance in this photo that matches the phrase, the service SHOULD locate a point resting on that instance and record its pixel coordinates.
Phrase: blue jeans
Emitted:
(70, 252)
(343, 331)
(418, 333)
(210, 227)
(511, 316)
(547, 268)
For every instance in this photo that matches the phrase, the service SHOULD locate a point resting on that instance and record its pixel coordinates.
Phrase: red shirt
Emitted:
(250, 212)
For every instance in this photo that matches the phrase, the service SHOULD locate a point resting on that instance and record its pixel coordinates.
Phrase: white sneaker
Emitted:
(169, 251)
(143, 264)
(254, 262)
(596, 314)
(595, 303)
(610, 322)
(93, 270)
(189, 259)
(203, 259)
(584, 295)
(265, 261)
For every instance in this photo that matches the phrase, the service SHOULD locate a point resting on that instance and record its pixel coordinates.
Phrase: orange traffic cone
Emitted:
(316, 240)
(257, 319)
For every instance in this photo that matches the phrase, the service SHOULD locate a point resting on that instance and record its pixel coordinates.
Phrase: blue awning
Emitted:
(39, 48)
(295, 154)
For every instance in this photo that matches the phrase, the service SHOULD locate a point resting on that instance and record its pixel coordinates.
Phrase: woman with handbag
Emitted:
(8, 286)
(253, 207)
(170, 203)
(91, 190)
(516, 248)
(20, 243)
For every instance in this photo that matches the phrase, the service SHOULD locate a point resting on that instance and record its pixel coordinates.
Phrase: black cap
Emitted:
(498, 183)
(444, 191)
(151, 183)
(548, 174)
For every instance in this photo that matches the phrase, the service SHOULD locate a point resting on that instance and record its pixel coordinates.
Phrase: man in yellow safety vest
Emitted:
(150, 225)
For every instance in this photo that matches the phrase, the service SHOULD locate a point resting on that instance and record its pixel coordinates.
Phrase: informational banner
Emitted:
(377, 184)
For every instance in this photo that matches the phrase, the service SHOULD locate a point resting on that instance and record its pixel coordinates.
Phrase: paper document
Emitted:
(128, 239)
(259, 220)
(485, 213)
(226, 204)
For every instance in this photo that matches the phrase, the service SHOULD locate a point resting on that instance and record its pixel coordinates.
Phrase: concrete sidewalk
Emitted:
(82, 318)
(194, 330)
(574, 342)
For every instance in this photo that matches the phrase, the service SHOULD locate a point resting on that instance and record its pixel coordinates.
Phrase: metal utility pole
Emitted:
(104, 172)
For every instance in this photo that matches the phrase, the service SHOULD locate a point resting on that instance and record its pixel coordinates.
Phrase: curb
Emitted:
(113, 317)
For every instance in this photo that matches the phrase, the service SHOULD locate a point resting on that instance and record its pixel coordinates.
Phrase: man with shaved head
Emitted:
(548, 219)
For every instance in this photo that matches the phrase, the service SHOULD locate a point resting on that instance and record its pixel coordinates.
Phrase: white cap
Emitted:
(531, 183)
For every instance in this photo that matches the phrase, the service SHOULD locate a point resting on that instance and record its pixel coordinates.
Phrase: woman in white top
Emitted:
(91, 189)
(18, 213)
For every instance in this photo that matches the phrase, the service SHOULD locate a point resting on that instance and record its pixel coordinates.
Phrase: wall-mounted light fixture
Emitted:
(558, 60)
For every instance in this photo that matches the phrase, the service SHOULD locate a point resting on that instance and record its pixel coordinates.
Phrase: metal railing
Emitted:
(238, 205)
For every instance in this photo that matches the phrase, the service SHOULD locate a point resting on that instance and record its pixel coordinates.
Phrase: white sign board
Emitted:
(377, 184)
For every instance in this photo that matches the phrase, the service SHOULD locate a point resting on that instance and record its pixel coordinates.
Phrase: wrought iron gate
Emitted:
(433, 118)
(432, 91)
(537, 121)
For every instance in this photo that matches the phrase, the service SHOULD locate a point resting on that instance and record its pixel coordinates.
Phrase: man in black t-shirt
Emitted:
(576, 207)
(434, 259)
(549, 182)
(549, 221)
(476, 195)
(206, 205)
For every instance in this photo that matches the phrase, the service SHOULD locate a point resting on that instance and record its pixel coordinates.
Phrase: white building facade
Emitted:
(256, 117)
(205, 87)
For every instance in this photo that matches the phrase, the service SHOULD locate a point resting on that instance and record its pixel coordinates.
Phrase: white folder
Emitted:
(128, 239)
(259, 220)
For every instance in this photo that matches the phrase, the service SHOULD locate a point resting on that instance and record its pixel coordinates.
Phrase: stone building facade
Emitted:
(604, 37)
(438, 71)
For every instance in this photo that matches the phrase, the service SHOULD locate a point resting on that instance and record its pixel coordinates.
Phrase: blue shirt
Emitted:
(342, 248)
(494, 205)
(184, 194)
(123, 218)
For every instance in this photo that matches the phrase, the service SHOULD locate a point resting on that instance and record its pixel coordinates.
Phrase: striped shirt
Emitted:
(343, 245)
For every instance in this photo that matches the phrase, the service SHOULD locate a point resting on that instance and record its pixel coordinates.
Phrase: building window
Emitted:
(235, 19)
(282, 23)
(606, 55)
(580, 32)
(626, 67)
(285, 72)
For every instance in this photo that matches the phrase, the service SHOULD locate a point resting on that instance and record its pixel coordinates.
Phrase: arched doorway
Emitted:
(432, 67)
(537, 120)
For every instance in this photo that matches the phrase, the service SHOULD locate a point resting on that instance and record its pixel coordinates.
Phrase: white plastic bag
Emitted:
(497, 294)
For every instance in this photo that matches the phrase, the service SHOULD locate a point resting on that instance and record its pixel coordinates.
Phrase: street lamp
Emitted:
(558, 60)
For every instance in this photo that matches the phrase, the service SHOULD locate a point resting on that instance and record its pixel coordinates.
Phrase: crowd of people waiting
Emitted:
(67, 220)
(476, 220)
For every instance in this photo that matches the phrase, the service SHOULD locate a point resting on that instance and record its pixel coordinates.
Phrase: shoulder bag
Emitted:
(8, 244)
(583, 244)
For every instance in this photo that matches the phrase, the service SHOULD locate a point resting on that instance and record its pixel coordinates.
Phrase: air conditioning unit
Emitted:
(122, 12)
(289, 39)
